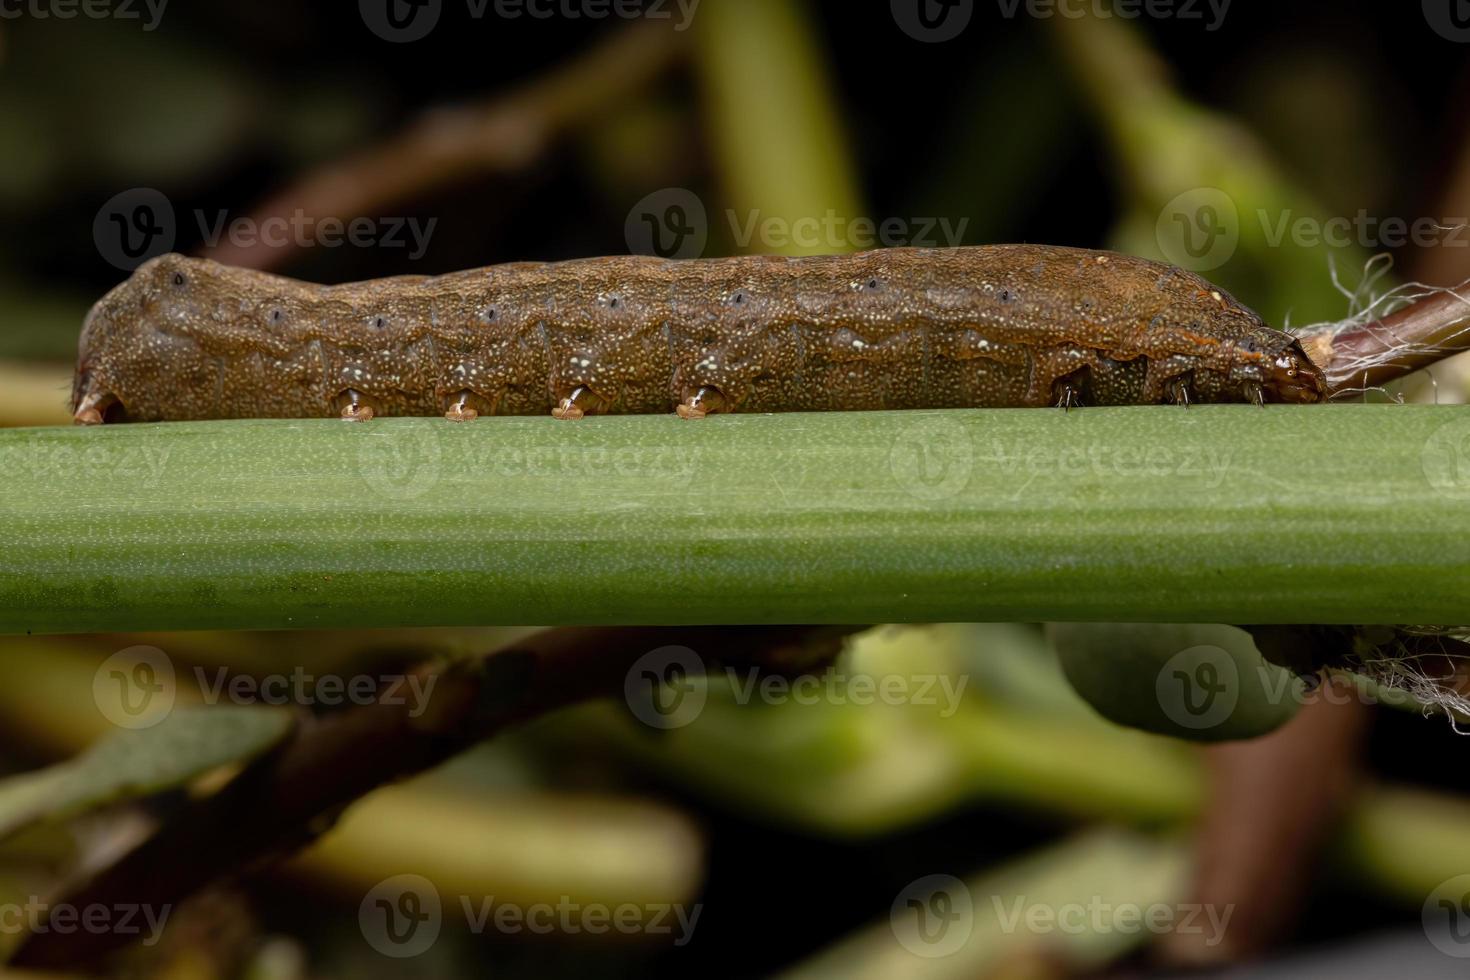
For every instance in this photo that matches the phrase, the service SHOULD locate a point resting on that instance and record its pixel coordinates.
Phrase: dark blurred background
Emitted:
(795, 828)
(222, 106)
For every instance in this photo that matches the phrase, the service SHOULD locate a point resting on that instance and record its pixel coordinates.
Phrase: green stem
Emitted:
(776, 130)
(1319, 514)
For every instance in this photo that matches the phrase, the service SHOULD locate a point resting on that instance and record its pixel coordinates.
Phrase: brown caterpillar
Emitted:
(993, 326)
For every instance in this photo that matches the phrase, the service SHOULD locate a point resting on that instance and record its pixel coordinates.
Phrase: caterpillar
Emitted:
(988, 326)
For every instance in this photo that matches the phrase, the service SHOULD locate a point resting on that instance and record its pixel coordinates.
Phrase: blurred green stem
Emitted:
(1185, 165)
(776, 129)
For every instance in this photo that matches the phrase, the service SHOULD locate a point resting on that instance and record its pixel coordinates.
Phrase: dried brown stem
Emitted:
(504, 134)
(1371, 354)
(293, 795)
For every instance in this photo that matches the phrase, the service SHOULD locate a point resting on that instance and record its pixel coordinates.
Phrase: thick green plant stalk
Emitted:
(1318, 514)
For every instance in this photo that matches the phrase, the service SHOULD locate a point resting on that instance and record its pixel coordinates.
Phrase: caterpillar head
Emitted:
(1273, 365)
(138, 351)
(1292, 377)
